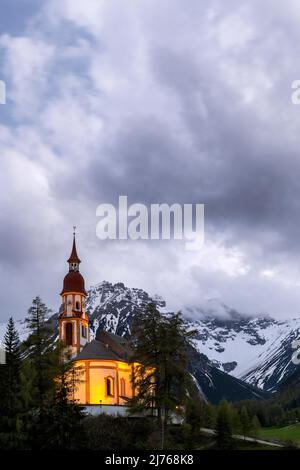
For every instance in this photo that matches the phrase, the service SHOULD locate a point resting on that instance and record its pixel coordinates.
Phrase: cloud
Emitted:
(164, 102)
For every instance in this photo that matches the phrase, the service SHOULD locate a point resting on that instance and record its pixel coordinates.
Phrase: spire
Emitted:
(74, 260)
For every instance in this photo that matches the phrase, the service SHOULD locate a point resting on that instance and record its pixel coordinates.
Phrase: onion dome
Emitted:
(73, 282)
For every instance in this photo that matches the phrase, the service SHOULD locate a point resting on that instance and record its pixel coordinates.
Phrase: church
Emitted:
(103, 364)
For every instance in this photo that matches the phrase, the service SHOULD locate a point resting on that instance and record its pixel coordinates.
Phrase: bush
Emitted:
(115, 433)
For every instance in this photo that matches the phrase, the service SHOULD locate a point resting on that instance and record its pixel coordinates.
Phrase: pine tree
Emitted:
(224, 426)
(51, 416)
(13, 363)
(210, 416)
(10, 389)
(38, 373)
(245, 422)
(63, 415)
(40, 351)
(28, 396)
(195, 414)
(161, 377)
(255, 426)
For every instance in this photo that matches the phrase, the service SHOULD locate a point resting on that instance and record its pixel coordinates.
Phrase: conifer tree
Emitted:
(210, 416)
(245, 422)
(38, 373)
(39, 351)
(255, 426)
(13, 365)
(160, 349)
(10, 389)
(64, 414)
(52, 417)
(224, 428)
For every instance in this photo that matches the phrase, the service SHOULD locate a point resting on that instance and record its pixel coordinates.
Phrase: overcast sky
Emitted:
(162, 101)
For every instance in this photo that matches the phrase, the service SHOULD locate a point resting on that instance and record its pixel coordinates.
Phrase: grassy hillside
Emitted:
(286, 433)
(240, 445)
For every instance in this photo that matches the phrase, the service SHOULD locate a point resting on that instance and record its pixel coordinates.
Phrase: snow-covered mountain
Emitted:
(275, 363)
(255, 350)
(113, 307)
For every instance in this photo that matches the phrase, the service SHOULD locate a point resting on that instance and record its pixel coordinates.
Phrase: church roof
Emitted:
(96, 350)
(106, 346)
(73, 282)
(74, 258)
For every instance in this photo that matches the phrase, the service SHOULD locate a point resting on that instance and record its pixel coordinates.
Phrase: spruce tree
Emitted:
(10, 389)
(52, 417)
(13, 362)
(38, 373)
(64, 414)
(194, 414)
(210, 416)
(224, 427)
(39, 351)
(255, 426)
(161, 376)
(245, 422)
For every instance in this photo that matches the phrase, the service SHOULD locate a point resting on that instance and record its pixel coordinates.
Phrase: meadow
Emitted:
(286, 433)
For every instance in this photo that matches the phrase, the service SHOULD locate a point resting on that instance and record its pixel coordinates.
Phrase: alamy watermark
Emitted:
(155, 222)
(2, 92)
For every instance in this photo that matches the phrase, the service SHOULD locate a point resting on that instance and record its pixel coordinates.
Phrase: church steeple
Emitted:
(74, 260)
(73, 319)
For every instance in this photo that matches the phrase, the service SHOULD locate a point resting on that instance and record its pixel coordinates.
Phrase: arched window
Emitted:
(109, 386)
(123, 387)
(69, 334)
(83, 331)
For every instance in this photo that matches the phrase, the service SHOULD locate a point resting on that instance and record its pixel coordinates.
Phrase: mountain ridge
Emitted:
(253, 351)
(257, 350)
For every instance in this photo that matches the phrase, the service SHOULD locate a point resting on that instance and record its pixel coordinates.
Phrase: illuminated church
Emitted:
(104, 365)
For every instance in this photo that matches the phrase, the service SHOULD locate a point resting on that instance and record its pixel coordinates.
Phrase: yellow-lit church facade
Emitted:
(103, 382)
(103, 366)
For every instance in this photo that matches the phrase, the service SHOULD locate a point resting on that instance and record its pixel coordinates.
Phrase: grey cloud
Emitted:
(211, 145)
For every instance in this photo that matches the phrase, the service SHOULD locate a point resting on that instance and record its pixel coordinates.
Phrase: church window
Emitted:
(77, 305)
(69, 334)
(83, 331)
(109, 385)
(123, 387)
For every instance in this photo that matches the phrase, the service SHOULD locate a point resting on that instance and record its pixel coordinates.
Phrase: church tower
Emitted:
(73, 319)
